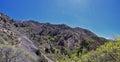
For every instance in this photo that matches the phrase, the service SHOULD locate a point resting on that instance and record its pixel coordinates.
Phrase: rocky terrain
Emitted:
(31, 41)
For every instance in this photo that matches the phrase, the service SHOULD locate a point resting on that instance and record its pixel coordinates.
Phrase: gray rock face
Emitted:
(63, 35)
(10, 35)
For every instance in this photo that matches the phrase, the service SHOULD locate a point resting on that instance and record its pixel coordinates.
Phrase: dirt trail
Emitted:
(49, 60)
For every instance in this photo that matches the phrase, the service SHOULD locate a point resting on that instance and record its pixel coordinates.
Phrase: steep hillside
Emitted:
(14, 43)
(109, 52)
(44, 41)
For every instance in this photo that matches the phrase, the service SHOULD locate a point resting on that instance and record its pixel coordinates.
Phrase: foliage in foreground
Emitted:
(9, 53)
(109, 52)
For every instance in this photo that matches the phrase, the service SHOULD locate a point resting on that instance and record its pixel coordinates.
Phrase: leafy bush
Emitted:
(109, 52)
(51, 38)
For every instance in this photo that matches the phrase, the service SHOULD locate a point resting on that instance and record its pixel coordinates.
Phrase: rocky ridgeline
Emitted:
(44, 40)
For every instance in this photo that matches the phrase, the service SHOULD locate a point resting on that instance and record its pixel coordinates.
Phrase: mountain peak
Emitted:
(4, 17)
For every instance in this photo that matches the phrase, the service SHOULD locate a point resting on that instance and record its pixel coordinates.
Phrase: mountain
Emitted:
(31, 41)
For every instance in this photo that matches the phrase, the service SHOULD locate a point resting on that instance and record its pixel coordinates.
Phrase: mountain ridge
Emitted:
(45, 41)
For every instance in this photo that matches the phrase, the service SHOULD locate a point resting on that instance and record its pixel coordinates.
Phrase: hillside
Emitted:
(109, 52)
(31, 41)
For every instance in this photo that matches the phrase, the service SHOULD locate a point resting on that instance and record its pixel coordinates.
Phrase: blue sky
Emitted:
(100, 16)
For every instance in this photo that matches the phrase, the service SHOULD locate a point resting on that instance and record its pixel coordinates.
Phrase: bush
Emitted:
(12, 54)
(51, 38)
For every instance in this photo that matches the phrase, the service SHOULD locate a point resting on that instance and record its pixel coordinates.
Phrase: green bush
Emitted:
(51, 38)
(109, 52)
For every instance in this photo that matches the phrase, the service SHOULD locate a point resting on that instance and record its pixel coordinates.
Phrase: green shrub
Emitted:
(51, 38)
(9, 53)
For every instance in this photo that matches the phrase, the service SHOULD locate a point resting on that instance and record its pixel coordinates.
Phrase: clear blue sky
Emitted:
(100, 16)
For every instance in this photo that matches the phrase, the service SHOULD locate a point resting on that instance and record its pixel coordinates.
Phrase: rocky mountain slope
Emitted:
(44, 42)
